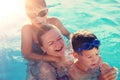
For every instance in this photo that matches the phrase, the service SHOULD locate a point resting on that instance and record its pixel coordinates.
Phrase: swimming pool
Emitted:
(101, 17)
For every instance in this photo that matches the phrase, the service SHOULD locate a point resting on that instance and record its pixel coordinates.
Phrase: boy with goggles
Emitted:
(88, 64)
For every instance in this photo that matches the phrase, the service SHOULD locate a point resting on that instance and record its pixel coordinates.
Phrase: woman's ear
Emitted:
(75, 54)
(43, 49)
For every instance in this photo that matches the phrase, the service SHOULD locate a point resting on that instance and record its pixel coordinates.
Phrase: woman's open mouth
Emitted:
(58, 50)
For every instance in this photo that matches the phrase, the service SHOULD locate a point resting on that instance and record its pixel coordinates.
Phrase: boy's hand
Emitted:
(51, 58)
(108, 73)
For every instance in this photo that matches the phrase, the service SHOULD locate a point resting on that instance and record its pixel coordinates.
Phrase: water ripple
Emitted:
(105, 21)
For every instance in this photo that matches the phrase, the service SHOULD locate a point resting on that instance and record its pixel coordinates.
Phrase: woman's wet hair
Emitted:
(44, 29)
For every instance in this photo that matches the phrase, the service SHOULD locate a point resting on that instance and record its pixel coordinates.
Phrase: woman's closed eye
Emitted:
(50, 43)
(60, 38)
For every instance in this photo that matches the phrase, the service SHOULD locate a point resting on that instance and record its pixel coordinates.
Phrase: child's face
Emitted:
(53, 43)
(38, 14)
(89, 58)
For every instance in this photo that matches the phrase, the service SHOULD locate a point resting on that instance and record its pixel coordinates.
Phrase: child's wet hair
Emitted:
(81, 37)
(32, 5)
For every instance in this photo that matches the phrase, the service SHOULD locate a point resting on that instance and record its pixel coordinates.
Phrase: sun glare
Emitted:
(10, 13)
(8, 7)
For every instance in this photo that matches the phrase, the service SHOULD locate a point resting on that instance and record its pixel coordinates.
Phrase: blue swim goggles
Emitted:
(89, 45)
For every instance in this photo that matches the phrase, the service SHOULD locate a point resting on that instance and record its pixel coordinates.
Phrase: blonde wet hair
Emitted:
(44, 29)
(32, 5)
(35, 3)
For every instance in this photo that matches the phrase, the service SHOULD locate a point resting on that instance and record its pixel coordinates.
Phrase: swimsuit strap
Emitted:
(64, 77)
(57, 75)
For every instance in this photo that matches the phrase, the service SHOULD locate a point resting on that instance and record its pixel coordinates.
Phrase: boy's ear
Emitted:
(75, 54)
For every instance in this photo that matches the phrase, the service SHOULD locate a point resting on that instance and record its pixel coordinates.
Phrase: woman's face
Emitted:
(38, 15)
(53, 43)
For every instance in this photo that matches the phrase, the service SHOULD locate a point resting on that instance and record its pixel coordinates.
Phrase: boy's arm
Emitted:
(26, 46)
(60, 26)
(107, 72)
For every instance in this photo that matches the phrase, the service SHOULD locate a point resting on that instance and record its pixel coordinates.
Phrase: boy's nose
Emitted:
(95, 59)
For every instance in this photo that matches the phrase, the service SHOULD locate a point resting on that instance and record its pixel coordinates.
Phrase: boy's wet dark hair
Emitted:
(81, 37)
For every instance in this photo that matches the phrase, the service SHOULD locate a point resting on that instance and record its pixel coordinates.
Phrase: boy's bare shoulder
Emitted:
(73, 73)
(72, 69)
(53, 19)
(26, 27)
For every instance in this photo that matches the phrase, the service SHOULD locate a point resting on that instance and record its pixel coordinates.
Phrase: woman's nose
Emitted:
(57, 44)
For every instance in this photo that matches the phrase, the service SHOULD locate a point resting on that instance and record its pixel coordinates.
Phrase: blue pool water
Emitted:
(100, 16)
